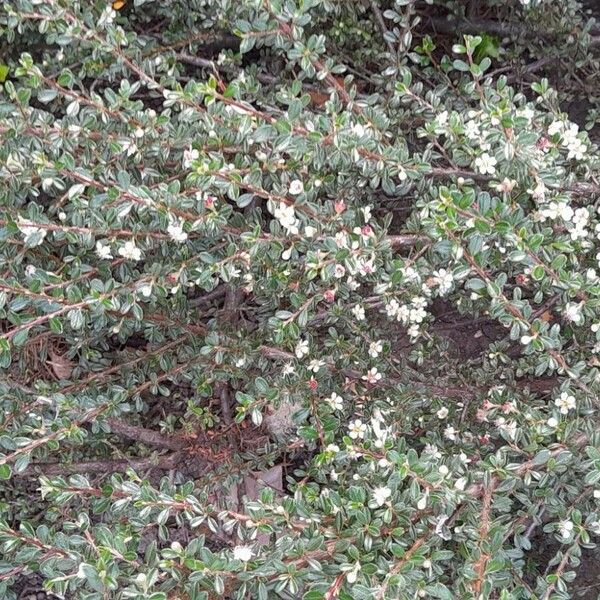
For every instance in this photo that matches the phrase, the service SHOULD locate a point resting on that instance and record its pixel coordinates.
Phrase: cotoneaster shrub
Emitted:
(225, 228)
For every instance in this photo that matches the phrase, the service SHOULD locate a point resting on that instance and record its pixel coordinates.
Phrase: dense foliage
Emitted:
(245, 247)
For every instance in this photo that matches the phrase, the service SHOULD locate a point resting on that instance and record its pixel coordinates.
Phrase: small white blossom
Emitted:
(130, 251)
(359, 312)
(243, 553)
(29, 231)
(296, 187)
(175, 230)
(442, 413)
(335, 401)
(366, 211)
(287, 218)
(381, 495)
(573, 313)
(450, 433)
(486, 164)
(375, 349)
(315, 365)
(566, 529)
(301, 349)
(339, 271)
(472, 130)
(373, 376)
(288, 369)
(357, 429)
(565, 402)
(555, 127)
(189, 156)
(444, 279)
(392, 308)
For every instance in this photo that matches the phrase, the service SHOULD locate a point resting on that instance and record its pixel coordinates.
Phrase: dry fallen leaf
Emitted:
(61, 366)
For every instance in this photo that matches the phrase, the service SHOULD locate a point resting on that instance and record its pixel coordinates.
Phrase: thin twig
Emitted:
(382, 26)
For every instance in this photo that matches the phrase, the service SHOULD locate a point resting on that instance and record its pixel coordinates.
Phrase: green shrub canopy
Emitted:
(298, 299)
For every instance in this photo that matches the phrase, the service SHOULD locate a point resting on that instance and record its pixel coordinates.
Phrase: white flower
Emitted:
(357, 429)
(130, 251)
(30, 270)
(577, 150)
(145, 290)
(315, 365)
(392, 308)
(565, 402)
(335, 401)
(566, 529)
(413, 332)
(358, 129)
(296, 187)
(442, 118)
(190, 155)
(373, 376)
(341, 239)
(573, 313)
(381, 494)
(288, 369)
(443, 470)
(107, 17)
(339, 271)
(539, 192)
(375, 349)
(301, 348)
(366, 211)
(287, 218)
(597, 494)
(552, 422)
(472, 130)
(460, 483)
(508, 427)
(334, 448)
(175, 230)
(310, 231)
(359, 312)
(352, 283)
(506, 185)
(555, 127)
(243, 553)
(450, 433)
(442, 413)
(444, 279)
(526, 113)
(527, 339)
(486, 164)
(29, 231)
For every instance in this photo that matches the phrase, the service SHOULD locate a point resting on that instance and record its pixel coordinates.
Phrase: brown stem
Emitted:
(164, 463)
(146, 436)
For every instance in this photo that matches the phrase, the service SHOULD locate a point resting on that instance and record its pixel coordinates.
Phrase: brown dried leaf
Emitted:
(61, 366)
